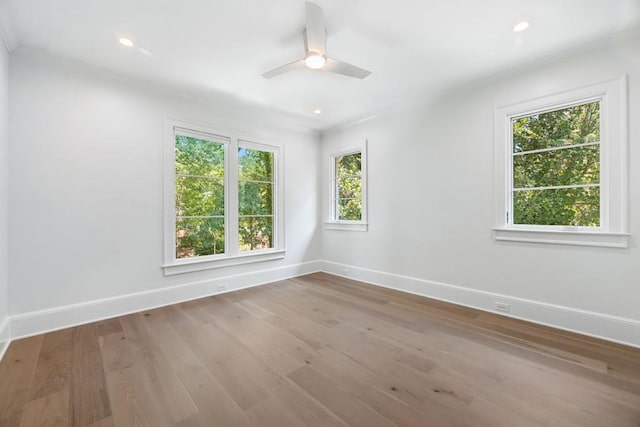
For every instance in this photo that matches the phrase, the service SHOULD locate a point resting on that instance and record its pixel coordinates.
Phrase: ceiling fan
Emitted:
(315, 43)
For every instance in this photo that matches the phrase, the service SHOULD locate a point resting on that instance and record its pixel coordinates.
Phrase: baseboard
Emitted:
(611, 328)
(5, 336)
(599, 325)
(38, 322)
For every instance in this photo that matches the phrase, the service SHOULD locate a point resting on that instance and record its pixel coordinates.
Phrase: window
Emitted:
(199, 193)
(347, 195)
(222, 200)
(256, 197)
(560, 168)
(348, 191)
(555, 166)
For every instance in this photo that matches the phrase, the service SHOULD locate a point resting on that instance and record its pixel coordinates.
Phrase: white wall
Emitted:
(4, 201)
(431, 198)
(85, 200)
(86, 187)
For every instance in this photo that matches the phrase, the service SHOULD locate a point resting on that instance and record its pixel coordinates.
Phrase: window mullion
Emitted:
(213, 178)
(170, 196)
(231, 190)
(555, 187)
(335, 190)
(363, 182)
(563, 147)
(605, 164)
(510, 176)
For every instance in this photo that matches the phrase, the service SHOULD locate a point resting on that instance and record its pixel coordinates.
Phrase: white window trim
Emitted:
(612, 231)
(333, 223)
(232, 256)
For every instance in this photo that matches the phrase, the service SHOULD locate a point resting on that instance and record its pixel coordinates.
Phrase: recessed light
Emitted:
(317, 111)
(520, 26)
(125, 42)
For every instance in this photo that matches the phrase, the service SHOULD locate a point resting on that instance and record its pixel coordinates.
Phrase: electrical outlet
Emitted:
(500, 306)
(222, 287)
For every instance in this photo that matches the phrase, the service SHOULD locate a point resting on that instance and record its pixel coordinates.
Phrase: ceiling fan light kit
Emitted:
(314, 61)
(315, 58)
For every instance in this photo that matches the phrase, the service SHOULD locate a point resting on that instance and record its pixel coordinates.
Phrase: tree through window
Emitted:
(223, 199)
(560, 167)
(200, 213)
(347, 199)
(255, 193)
(556, 167)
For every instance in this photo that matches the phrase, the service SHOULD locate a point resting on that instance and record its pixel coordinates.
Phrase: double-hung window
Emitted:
(560, 168)
(555, 165)
(256, 193)
(223, 203)
(349, 190)
(200, 161)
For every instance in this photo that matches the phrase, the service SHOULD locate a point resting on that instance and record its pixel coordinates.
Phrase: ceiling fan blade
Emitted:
(315, 34)
(284, 69)
(340, 67)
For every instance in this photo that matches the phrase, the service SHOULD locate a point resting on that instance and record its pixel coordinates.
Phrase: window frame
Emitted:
(337, 224)
(278, 221)
(232, 255)
(612, 231)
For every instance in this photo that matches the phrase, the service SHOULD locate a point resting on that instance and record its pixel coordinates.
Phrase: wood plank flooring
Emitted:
(317, 351)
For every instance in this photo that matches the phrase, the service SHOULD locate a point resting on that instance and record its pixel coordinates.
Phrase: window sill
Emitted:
(563, 237)
(347, 226)
(191, 265)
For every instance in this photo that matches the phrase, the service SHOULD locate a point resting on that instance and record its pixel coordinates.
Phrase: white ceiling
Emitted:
(414, 48)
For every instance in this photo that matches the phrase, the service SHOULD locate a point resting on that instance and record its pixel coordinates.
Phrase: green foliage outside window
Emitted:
(200, 222)
(562, 162)
(348, 197)
(255, 194)
(200, 208)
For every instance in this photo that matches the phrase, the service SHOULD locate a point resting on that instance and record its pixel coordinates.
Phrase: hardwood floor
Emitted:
(317, 350)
